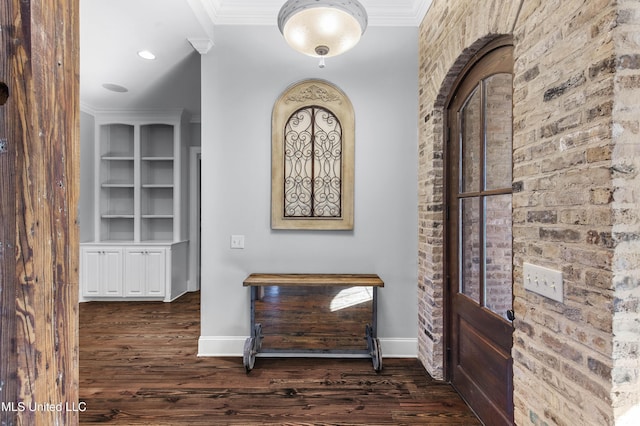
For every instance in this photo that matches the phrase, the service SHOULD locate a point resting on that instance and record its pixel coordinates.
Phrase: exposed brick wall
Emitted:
(563, 89)
(576, 155)
(625, 158)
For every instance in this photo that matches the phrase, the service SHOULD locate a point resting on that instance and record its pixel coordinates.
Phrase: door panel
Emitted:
(478, 356)
(479, 239)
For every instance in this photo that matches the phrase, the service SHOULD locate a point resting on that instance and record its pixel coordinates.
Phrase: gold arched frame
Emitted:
(312, 93)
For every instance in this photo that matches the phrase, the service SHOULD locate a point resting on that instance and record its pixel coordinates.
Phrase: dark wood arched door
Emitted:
(479, 237)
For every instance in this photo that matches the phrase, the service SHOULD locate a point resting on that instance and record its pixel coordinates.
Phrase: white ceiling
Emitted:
(113, 31)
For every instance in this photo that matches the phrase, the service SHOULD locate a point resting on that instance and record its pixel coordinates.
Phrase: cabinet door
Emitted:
(111, 272)
(101, 272)
(144, 272)
(155, 271)
(135, 272)
(90, 272)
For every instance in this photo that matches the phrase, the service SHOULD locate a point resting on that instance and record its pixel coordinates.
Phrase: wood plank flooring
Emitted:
(138, 365)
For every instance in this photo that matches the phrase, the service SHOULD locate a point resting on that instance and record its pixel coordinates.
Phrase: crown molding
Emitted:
(265, 12)
(245, 12)
(86, 108)
(205, 13)
(409, 13)
(201, 45)
(422, 7)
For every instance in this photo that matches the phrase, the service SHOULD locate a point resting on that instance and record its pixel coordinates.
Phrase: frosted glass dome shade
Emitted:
(322, 28)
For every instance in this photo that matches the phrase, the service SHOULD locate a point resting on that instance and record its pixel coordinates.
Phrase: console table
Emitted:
(259, 282)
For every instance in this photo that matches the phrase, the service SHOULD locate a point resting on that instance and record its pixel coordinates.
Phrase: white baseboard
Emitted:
(234, 345)
(221, 345)
(399, 347)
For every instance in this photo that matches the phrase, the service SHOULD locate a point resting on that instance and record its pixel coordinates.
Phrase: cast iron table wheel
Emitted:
(373, 346)
(376, 355)
(249, 353)
(252, 346)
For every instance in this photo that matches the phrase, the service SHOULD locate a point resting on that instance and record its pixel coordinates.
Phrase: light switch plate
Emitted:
(544, 281)
(237, 241)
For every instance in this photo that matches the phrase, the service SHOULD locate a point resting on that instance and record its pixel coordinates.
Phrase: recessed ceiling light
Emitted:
(145, 54)
(115, 87)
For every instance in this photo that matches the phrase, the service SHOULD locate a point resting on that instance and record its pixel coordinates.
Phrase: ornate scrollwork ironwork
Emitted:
(313, 164)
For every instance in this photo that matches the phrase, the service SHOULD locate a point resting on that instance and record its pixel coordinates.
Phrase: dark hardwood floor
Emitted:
(138, 365)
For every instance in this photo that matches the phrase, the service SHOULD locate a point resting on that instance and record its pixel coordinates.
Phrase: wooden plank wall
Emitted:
(39, 183)
(8, 354)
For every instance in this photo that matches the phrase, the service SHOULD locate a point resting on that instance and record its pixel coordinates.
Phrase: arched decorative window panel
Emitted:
(313, 138)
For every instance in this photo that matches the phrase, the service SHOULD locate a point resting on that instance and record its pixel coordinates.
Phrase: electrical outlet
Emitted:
(543, 281)
(237, 241)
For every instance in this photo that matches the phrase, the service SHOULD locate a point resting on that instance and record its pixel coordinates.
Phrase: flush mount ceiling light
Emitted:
(322, 28)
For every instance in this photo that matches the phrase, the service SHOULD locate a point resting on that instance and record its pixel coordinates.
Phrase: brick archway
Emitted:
(431, 297)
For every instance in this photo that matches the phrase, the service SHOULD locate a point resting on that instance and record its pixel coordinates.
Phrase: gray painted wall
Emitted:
(240, 83)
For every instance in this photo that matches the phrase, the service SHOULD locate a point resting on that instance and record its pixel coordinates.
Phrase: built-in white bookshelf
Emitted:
(116, 177)
(140, 177)
(157, 181)
(140, 201)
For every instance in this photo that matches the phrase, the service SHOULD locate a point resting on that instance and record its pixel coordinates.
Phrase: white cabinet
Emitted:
(145, 271)
(101, 271)
(133, 272)
(139, 248)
